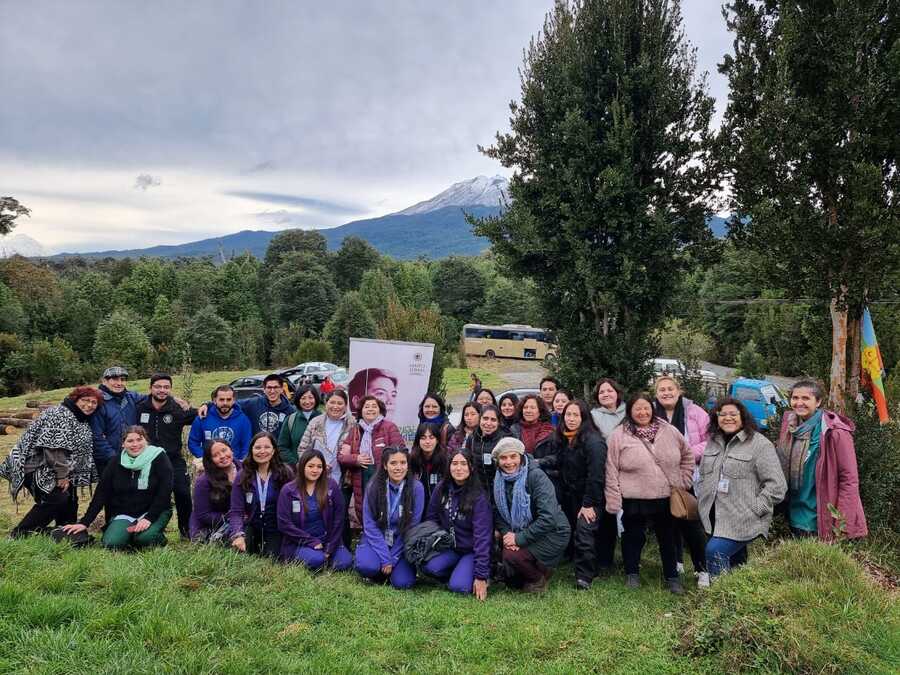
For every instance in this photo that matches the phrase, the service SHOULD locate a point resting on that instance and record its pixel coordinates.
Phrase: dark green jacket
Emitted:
(547, 536)
(291, 432)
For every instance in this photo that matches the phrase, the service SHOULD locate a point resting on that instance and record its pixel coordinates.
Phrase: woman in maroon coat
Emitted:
(361, 454)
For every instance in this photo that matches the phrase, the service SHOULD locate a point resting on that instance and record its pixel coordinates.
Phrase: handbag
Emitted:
(682, 504)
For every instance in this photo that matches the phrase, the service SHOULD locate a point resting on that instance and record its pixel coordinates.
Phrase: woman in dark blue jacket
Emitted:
(460, 505)
(254, 496)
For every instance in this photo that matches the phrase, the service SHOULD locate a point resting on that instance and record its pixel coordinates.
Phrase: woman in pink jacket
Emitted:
(819, 461)
(693, 423)
(646, 457)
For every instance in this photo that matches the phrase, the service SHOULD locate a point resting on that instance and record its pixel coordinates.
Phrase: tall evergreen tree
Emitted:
(610, 144)
(810, 141)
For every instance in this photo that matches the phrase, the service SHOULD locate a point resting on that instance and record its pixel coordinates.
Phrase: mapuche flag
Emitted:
(872, 366)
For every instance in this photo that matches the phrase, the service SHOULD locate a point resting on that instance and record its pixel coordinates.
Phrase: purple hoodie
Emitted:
(204, 515)
(473, 532)
(375, 535)
(242, 511)
(291, 520)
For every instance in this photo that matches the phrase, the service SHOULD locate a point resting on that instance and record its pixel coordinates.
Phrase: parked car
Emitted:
(314, 372)
(762, 398)
(300, 375)
(250, 385)
(665, 366)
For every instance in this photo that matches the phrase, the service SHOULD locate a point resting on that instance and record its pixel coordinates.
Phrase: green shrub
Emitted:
(878, 458)
(313, 350)
(749, 362)
(802, 607)
(120, 339)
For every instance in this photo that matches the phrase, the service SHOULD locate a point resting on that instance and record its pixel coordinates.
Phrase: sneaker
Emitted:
(675, 586)
(703, 580)
(582, 585)
(632, 580)
(679, 567)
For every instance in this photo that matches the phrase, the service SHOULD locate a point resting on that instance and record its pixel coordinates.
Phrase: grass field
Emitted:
(803, 607)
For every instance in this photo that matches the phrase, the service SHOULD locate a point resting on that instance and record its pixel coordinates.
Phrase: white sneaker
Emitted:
(703, 580)
(679, 567)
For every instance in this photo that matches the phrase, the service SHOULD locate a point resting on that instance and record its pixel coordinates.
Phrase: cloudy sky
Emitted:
(128, 124)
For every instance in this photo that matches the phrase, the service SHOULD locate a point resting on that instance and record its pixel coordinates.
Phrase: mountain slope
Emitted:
(480, 191)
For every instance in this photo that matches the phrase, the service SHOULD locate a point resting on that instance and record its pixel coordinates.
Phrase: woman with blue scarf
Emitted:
(433, 410)
(136, 494)
(533, 528)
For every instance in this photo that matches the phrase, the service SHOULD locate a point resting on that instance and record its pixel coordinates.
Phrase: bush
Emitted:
(750, 363)
(286, 343)
(878, 458)
(120, 339)
(45, 364)
(313, 350)
(802, 607)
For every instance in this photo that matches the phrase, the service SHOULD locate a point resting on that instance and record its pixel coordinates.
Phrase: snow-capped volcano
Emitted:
(20, 244)
(480, 191)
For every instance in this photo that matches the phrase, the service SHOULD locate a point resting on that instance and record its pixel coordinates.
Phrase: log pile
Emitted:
(20, 418)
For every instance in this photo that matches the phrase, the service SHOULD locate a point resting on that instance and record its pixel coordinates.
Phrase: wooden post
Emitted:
(837, 389)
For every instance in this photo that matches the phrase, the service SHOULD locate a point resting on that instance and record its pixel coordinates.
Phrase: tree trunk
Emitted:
(838, 356)
(853, 345)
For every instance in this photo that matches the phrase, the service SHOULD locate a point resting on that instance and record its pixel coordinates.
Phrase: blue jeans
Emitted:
(722, 554)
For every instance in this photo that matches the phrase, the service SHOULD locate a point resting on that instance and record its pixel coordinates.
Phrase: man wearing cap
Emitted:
(115, 413)
(164, 421)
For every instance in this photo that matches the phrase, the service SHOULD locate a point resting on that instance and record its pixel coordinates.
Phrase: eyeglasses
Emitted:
(728, 415)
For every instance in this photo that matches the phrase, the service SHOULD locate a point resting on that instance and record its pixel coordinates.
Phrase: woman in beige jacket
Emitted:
(645, 458)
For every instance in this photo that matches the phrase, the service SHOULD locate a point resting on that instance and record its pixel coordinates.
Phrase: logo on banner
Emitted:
(417, 367)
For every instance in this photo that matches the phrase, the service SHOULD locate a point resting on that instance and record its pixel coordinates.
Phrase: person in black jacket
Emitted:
(482, 441)
(576, 456)
(135, 492)
(164, 420)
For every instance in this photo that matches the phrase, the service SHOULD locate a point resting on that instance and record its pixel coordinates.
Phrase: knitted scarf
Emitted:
(141, 463)
(798, 444)
(365, 443)
(647, 433)
(570, 435)
(519, 515)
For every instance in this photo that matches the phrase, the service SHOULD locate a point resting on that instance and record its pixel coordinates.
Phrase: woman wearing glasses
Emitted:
(740, 483)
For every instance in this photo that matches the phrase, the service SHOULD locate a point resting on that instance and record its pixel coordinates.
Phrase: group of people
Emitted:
(520, 485)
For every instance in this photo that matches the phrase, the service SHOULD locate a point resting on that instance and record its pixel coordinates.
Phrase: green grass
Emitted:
(457, 380)
(204, 383)
(804, 607)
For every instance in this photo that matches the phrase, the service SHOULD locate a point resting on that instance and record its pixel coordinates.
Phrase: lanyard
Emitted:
(394, 503)
(263, 489)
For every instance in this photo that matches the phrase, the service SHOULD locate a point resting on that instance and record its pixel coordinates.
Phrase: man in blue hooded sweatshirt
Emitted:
(224, 420)
(269, 410)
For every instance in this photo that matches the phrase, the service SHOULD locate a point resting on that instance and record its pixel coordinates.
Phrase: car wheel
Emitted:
(490, 354)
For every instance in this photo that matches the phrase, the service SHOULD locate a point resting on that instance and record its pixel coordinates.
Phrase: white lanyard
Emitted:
(263, 489)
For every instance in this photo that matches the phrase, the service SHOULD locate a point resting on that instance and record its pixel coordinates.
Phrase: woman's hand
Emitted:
(74, 528)
(387, 569)
(240, 543)
(479, 588)
(63, 484)
(509, 541)
(365, 460)
(318, 547)
(588, 513)
(139, 526)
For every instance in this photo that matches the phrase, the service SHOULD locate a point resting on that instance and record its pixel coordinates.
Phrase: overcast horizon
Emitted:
(162, 123)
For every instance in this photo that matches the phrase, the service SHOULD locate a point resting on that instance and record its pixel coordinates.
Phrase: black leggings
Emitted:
(58, 506)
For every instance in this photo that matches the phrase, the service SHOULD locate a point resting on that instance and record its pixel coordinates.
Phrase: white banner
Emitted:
(394, 372)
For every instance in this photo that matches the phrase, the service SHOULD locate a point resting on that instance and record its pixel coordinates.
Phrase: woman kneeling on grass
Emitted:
(135, 493)
(534, 530)
(252, 519)
(460, 505)
(212, 494)
(311, 512)
(740, 483)
(393, 504)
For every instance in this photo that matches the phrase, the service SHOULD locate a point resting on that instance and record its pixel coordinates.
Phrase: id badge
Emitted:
(433, 479)
(487, 458)
(249, 497)
(723, 486)
(145, 418)
(295, 506)
(389, 538)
